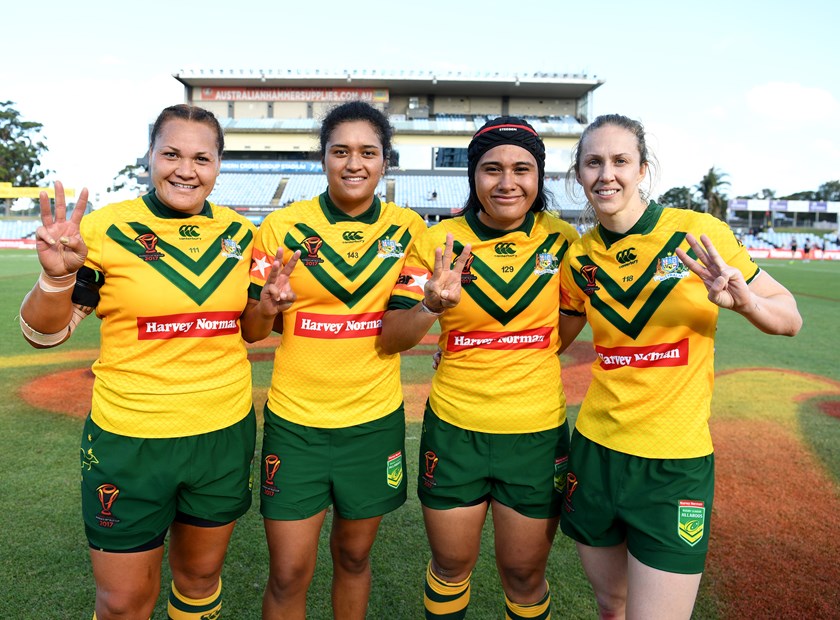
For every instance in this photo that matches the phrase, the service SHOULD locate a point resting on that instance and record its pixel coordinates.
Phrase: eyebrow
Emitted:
(516, 163)
(347, 146)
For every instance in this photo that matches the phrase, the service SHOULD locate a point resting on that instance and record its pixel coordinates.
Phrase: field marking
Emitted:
(46, 359)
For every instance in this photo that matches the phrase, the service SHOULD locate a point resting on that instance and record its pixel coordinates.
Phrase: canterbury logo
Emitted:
(352, 235)
(625, 256)
(189, 231)
(505, 249)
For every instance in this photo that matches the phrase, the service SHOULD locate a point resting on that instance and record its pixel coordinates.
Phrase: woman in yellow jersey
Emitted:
(494, 430)
(169, 442)
(334, 420)
(649, 281)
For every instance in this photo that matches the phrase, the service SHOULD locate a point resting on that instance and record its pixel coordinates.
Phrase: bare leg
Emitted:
(292, 549)
(455, 539)
(606, 568)
(522, 548)
(196, 556)
(127, 584)
(350, 543)
(654, 593)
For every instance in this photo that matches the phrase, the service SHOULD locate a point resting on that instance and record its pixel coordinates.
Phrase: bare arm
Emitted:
(764, 302)
(403, 329)
(276, 297)
(570, 327)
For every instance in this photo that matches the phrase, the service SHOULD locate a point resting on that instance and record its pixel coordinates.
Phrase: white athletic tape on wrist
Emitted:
(47, 282)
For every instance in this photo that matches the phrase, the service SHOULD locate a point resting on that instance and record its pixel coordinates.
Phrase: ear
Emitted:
(643, 170)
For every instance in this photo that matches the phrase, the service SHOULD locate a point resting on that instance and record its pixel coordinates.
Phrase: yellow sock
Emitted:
(541, 610)
(183, 608)
(445, 600)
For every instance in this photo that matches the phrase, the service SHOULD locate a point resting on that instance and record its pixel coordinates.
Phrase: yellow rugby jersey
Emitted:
(329, 371)
(499, 372)
(653, 330)
(172, 362)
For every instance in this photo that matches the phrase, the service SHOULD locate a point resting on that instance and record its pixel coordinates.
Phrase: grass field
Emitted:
(788, 390)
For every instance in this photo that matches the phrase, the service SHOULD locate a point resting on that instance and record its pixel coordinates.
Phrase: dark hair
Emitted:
(189, 113)
(357, 111)
(617, 120)
(506, 130)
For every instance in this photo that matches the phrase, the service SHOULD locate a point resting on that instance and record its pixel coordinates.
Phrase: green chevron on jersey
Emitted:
(627, 298)
(199, 294)
(350, 272)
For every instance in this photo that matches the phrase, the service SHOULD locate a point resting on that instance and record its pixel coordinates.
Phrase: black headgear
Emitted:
(505, 130)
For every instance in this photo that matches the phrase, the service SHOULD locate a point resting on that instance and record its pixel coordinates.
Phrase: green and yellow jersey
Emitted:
(653, 330)
(329, 371)
(499, 372)
(172, 362)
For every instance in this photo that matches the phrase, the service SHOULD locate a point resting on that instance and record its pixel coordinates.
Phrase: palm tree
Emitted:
(710, 188)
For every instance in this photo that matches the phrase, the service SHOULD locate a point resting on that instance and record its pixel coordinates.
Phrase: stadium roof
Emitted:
(404, 81)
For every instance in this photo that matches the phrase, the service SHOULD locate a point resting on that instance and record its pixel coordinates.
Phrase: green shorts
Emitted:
(132, 488)
(660, 507)
(524, 471)
(358, 469)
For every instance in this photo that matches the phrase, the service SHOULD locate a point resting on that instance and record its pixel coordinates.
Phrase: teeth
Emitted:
(184, 186)
(606, 192)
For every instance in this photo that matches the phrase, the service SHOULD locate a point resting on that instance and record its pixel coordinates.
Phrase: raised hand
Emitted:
(726, 285)
(443, 289)
(61, 249)
(277, 295)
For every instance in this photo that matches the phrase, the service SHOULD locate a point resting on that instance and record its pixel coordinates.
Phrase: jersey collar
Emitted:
(484, 232)
(645, 225)
(157, 207)
(334, 214)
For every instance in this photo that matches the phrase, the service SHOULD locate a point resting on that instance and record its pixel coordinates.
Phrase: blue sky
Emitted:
(749, 87)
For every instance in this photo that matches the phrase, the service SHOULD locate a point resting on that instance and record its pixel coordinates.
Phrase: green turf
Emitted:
(44, 567)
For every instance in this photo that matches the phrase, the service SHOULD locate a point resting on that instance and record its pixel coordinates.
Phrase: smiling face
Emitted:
(354, 162)
(184, 162)
(506, 183)
(610, 172)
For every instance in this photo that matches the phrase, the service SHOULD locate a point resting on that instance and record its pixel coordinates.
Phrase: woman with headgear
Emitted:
(494, 431)
(650, 282)
(168, 444)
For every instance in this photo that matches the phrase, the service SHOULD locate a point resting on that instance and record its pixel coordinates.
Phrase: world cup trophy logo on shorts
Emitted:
(107, 496)
(431, 461)
(272, 464)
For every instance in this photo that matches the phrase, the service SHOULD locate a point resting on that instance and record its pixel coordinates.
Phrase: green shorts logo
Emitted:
(394, 470)
(691, 521)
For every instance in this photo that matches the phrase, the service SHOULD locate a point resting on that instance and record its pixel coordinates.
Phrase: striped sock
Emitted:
(541, 610)
(443, 600)
(183, 608)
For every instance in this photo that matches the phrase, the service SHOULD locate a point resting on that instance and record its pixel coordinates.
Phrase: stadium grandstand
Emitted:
(271, 119)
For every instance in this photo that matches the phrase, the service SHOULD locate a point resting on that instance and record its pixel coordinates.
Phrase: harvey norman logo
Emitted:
(338, 325)
(659, 355)
(538, 338)
(188, 325)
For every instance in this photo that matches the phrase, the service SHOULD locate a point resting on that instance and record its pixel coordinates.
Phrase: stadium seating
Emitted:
(18, 229)
(245, 189)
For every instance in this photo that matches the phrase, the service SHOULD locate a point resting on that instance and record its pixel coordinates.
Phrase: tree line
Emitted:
(710, 194)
